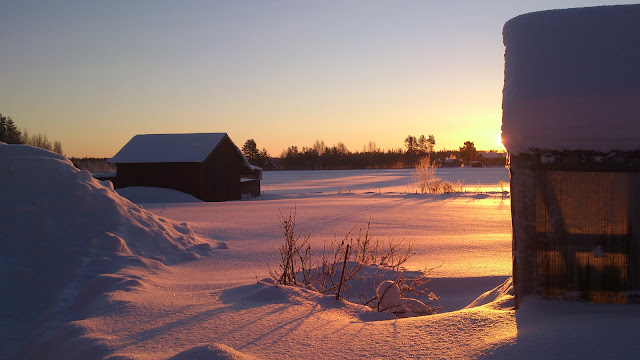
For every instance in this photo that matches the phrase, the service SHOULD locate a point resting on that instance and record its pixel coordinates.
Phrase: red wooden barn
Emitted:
(208, 166)
(491, 158)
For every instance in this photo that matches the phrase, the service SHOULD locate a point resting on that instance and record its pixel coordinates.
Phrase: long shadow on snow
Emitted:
(253, 296)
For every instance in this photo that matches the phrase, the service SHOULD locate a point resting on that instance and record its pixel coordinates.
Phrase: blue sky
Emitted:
(94, 74)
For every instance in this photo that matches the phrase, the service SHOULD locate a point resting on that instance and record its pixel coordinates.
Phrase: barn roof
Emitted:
(492, 155)
(159, 148)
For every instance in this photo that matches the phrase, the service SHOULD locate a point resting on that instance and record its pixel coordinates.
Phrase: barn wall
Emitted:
(220, 173)
(183, 177)
(215, 179)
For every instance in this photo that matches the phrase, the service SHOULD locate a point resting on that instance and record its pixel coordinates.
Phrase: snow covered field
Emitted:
(87, 274)
(462, 233)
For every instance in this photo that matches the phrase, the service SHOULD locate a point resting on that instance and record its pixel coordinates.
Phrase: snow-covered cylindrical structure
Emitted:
(571, 124)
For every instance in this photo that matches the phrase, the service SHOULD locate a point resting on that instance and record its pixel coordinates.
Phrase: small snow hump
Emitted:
(213, 351)
(113, 243)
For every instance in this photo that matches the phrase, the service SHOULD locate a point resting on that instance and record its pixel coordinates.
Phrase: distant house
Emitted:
(452, 162)
(208, 166)
(492, 158)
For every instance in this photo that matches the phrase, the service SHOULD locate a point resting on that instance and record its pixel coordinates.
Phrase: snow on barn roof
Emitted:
(492, 155)
(572, 80)
(157, 148)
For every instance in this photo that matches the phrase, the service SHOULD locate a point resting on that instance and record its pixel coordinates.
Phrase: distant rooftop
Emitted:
(493, 155)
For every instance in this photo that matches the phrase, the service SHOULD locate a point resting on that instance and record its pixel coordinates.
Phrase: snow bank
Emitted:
(572, 80)
(64, 236)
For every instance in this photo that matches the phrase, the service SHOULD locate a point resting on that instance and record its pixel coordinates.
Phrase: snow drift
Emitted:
(64, 237)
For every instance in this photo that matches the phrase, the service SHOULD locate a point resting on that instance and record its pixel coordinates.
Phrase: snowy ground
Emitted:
(195, 295)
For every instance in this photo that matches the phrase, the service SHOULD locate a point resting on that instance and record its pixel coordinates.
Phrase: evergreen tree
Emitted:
(9, 133)
(250, 150)
(431, 143)
(253, 155)
(468, 152)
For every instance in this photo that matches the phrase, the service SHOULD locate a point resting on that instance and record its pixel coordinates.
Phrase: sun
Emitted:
(499, 143)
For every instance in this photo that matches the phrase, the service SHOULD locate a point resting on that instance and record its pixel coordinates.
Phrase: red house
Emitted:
(208, 166)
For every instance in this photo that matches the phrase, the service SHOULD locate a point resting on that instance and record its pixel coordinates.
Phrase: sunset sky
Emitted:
(94, 74)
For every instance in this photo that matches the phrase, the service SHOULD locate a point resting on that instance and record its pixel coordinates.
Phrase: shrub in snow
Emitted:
(424, 175)
(447, 187)
(295, 253)
(353, 263)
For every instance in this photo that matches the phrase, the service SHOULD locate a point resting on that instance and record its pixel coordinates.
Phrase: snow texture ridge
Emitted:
(572, 80)
(63, 237)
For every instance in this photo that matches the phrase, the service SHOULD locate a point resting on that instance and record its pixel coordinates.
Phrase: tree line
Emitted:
(337, 157)
(10, 134)
(315, 157)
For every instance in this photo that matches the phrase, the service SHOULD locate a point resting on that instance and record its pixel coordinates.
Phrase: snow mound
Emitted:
(502, 296)
(60, 229)
(208, 352)
(391, 300)
(142, 194)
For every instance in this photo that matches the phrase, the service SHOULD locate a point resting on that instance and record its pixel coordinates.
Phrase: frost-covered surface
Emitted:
(572, 80)
(214, 307)
(153, 148)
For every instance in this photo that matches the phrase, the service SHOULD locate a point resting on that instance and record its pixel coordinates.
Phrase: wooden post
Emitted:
(344, 265)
